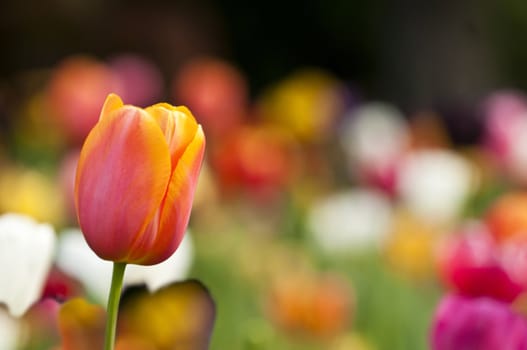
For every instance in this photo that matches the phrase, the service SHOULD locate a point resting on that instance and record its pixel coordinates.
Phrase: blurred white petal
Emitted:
(9, 331)
(77, 259)
(435, 185)
(26, 254)
(374, 135)
(351, 220)
(175, 268)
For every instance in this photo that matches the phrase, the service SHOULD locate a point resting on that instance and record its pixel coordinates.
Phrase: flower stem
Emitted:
(113, 304)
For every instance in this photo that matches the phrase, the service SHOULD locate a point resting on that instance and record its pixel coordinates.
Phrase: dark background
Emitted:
(416, 54)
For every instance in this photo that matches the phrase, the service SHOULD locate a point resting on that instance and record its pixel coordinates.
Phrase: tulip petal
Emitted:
(178, 125)
(125, 162)
(112, 103)
(26, 253)
(166, 231)
(10, 330)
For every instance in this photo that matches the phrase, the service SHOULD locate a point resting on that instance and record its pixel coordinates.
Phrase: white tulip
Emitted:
(374, 135)
(435, 184)
(77, 259)
(9, 331)
(26, 254)
(351, 220)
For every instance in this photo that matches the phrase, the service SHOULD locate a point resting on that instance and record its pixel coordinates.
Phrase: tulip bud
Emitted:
(135, 181)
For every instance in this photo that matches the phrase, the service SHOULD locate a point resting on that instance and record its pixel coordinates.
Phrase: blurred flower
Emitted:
(66, 178)
(76, 91)
(30, 192)
(26, 253)
(10, 330)
(506, 131)
(471, 262)
(507, 217)
(140, 81)
(260, 159)
(180, 316)
(81, 325)
(513, 258)
(410, 244)
(320, 306)
(374, 137)
(435, 185)
(306, 104)
(75, 257)
(60, 286)
(150, 157)
(351, 220)
(40, 326)
(215, 91)
(504, 111)
(477, 324)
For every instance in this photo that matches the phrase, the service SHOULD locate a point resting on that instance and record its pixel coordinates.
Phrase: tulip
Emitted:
(435, 185)
(134, 187)
(77, 88)
(141, 82)
(505, 117)
(216, 91)
(9, 330)
(479, 324)
(307, 104)
(374, 138)
(351, 220)
(472, 263)
(409, 245)
(135, 181)
(262, 160)
(26, 252)
(318, 305)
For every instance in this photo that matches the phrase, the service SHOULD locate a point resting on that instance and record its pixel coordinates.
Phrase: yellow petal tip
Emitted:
(112, 103)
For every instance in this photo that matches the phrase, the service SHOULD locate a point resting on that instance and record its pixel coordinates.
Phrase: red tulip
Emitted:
(135, 181)
(470, 262)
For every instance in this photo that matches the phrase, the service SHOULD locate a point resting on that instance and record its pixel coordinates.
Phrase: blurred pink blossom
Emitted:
(477, 324)
(141, 81)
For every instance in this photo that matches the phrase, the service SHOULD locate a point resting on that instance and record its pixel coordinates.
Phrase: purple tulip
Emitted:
(477, 324)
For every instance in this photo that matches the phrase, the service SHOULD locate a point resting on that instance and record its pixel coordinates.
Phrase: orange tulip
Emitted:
(135, 181)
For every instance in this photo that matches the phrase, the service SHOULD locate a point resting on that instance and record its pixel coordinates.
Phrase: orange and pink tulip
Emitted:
(135, 181)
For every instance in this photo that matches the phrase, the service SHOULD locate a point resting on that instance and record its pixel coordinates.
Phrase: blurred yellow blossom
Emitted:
(306, 103)
(409, 250)
(180, 316)
(30, 192)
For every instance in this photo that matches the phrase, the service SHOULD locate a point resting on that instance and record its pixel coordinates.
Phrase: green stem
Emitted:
(113, 304)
